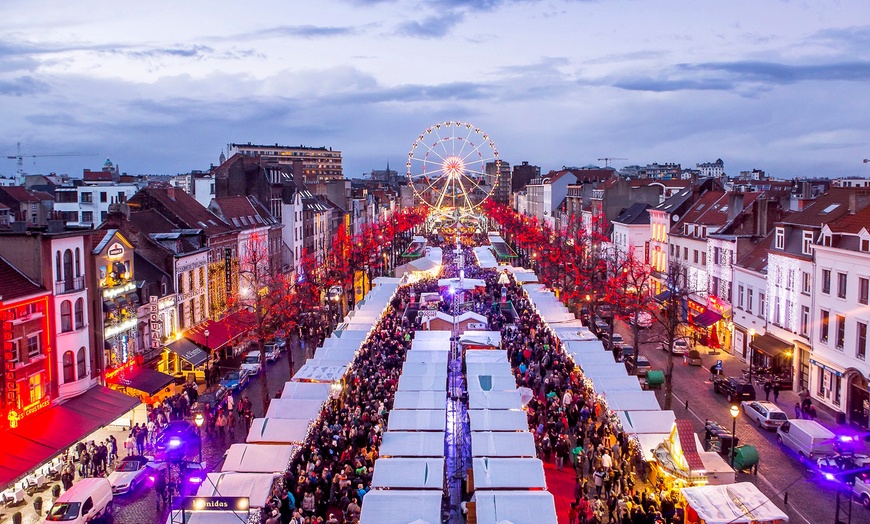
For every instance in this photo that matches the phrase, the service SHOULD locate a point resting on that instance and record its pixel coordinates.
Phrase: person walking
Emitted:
(776, 392)
(767, 388)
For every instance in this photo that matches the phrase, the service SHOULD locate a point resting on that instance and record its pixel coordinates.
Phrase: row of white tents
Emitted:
(251, 469)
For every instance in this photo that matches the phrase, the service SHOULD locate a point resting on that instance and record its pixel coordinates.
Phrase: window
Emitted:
(68, 268)
(717, 254)
(842, 278)
(805, 320)
(696, 256)
(87, 216)
(65, 316)
(863, 290)
(104, 197)
(777, 312)
(865, 245)
(57, 268)
(823, 328)
(788, 315)
(861, 349)
(36, 388)
(826, 240)
(69, 372)
(826, 281)
(808, 243)
(779, 238)
(686, 253)
(740, 297)
(841, 331)
(78, 262)
(789, 280)
(87, 197)
(762, 305)
(122, 197)
(703, 258)
(806, 283)
(80, 313)
(82, 363)
(749, 300)
(33, 346)
(87, 506)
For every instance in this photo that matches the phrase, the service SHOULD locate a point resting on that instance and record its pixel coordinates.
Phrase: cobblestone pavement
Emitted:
(780, 473)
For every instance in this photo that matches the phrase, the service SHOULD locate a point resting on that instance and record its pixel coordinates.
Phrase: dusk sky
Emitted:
(162, 87)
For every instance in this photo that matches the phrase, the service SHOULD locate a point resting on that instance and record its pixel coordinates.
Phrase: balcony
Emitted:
(69, 286)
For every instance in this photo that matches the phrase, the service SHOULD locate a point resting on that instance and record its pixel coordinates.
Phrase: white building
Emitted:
(631, 232)
(546, 193)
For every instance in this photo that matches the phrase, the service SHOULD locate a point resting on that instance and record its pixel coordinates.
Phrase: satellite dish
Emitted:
(675, 217)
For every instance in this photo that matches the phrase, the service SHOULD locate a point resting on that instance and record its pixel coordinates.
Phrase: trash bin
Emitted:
(745, 457)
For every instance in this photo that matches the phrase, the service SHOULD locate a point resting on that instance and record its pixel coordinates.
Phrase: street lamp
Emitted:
(199, 419)
(734, 412)
(751, 352)
(208, 350)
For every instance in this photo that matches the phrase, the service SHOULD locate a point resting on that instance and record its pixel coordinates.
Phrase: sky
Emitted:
(161, 87)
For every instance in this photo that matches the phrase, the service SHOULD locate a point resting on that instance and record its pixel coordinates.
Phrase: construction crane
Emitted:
(607, 160)
(19, 158)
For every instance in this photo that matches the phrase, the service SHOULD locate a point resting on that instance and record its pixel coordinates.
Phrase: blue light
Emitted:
(174, 442)
(846, 438)
(830, 476)
(195, 480)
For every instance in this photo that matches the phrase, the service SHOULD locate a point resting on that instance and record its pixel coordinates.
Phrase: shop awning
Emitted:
(145, 380)
(770, 345)
(707, 318)
(109, 305)
(502, 250)
(48, 433)
(188, 351)
(223, 332)
(663, 296)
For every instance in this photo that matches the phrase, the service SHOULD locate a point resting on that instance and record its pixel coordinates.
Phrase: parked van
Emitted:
(87, 500)
(807, 437)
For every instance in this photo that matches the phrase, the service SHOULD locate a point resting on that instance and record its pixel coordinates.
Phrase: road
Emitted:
(141, 507)
(780, 473)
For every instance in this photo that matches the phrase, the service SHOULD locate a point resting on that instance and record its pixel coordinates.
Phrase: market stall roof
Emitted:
(732, 504)
(591, 360)
(255, 486)
(422, 264)
(440, 357)
(579, 332)
(632, 401)
(486, 355)
(508, 473)
(581, 347)
(515, 507)
(494, 399)
(425, 368)
(306, 390)
(146, 380)
(189, 351)
(477, 317)
(314, 371)
(485, 257)
(277, 431)
(345, 354)
(401, 507)
(502, 250)
(421, 383)
(430, 345)
(498, 420)
(524, 277)
(408, 473)
(604, 368)
(605, 385)
(258, 458)
(435, 334)
(42, 435)
(717, 469)
(339, 337)
(648, 442)
(467, 283)
(291, 408)
(417, 420)
(419, 400)
(489, 368)
(491, 383)
(412, 444)
(480, 338)
(387, 281)
(222, 332)
(638, 422)
(502, 444)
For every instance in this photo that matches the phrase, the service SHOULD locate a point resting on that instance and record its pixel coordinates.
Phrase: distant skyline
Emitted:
(162, 87)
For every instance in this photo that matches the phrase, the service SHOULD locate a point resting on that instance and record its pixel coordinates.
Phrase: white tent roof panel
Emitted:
(425, 368)
(632, 401)
(255, 486)
(605, 385)
(409, 473)
(401, 507)
(515, 507)
(489, 368)
(508, 473)
(437, 334)
(430, 345)
(491, 383)
(277, 431)
(258, 458)
(498, 420)
(481, 338)
(422, 383)
(419, 400)
(502, 444)
(486, 355)
(312, 371)
(417, 420)
(637, 422)
(306, 390)
(427, 356)
(294, 408)
(412, 444)
(719, 504)
(494, 399)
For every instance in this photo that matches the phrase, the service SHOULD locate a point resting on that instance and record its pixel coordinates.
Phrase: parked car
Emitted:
(252, 362)
(132, 471)
(862, 490)
(210, 401)
(644, 319)
(273, 352)
(641, 366)
(734, 388)
(87, 500)
(178, 439)
(605, 311)
(235, 380)
(618, 341)
(806, 437)
(600, 327)
(680, 347)
(765, 414)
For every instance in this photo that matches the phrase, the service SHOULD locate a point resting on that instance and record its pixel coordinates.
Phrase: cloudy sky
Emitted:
(164, 86)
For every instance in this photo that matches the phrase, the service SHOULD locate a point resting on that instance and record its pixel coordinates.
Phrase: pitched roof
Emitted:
(635, 214)
(826, 208)
(696, 213)
(181, 209)
(243, 212)
(852, 223)
(21, 194)
(15, 284)
(97, 176)
(755, 259)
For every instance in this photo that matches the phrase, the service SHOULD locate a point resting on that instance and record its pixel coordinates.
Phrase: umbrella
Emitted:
(714, 338)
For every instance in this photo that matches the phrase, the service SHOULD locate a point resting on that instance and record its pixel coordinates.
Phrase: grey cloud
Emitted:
(848, 40)
(433, 26)
(22, 86)
(787, 74)
(184, 52)
(662, 84)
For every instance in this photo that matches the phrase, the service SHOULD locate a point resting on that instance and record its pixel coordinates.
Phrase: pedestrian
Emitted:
(797, 410)
(776, 392)
(767, 388)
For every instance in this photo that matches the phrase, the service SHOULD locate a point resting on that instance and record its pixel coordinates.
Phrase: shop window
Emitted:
(838, 383)
(69, 372)
(37, 390)
(82, 363)
(66, 316)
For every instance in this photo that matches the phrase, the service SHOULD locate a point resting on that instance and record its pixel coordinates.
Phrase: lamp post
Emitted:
(734, 412)
(751, 352)
(208, 350)
(199, 419)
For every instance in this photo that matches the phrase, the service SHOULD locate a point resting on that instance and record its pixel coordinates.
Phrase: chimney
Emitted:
(170, 191)
(760, 216)
(735, 204)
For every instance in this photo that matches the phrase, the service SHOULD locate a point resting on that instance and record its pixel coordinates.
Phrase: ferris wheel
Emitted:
(448, 168)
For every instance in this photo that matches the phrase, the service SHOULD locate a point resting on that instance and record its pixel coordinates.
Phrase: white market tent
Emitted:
(417, 420)
(306, 390)
(467, 283)
(355, 325)
(605, 385)
(638, 422)
(491, 383)
(412, 444)
(437, 334)
(256, 486)
(489, 368)
(508, 473)
(525, 277)
(387, 281)
(718, 471)
(294, 408)
(498, 420)
(632, 401)
(571, 331)
(409, 473)
(603, 359)
(345, 354)
(422, 383)
(440, 357)
(604, 369)
(470, 315)
(419, 400)
(582, 347)
(479, 338)
(648, 442)
(258, 458)
(277, 431)
(486, 355)
(314, 371)
(728, 504)
(430, 345)
(425, 368)
(485, 257)
(401, 507)
(338, 337)
(502, 444)
(515, 507)
(494, 399)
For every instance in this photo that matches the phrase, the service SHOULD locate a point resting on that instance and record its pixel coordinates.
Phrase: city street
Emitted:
(780, 473)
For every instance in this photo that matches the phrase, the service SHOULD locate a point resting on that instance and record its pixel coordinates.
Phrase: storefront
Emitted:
(185, 361)
(113, 257)
(859, 399)
(770, 352)
(149, 385)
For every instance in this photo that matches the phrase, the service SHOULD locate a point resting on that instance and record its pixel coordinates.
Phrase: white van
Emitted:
(86, 500)
(807, 437)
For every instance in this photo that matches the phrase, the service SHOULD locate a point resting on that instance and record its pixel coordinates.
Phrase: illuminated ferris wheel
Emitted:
(447, 167)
